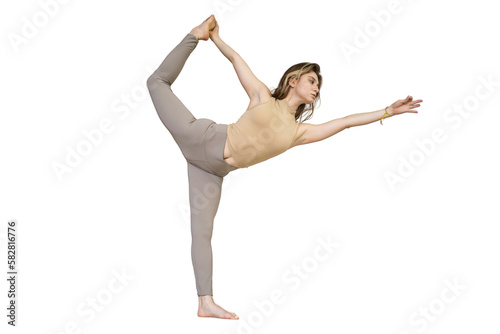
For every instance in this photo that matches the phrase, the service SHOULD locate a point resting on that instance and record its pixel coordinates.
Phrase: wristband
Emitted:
(384, 115)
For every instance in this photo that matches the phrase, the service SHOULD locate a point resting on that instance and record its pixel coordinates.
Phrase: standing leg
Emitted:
(204, 198)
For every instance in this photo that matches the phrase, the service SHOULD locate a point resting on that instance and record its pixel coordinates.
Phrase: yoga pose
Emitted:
(272, 124)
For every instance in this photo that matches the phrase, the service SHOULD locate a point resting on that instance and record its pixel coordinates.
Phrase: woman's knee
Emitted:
(153, 82)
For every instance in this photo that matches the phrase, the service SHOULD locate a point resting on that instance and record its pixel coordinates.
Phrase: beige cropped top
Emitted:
(262, 132)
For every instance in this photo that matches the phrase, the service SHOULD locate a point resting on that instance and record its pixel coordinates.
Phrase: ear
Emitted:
(293, 82)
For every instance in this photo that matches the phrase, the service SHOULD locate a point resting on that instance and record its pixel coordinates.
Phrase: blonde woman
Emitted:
(272, 124)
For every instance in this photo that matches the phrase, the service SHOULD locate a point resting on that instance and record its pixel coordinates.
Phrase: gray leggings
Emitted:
(201, 141)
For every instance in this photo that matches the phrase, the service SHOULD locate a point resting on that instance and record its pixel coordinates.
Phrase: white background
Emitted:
(124, 207)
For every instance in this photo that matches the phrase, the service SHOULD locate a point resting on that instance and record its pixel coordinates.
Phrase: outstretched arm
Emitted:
(252, 85)
(398, 107)
(310, 133)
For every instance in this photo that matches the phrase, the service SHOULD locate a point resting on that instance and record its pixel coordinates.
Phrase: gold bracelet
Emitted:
(384, 115)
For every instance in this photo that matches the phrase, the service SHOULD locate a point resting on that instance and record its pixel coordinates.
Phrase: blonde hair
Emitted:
(296, 71)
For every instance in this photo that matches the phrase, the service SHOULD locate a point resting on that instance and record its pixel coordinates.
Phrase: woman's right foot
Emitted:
(201, 31)
(208, 308)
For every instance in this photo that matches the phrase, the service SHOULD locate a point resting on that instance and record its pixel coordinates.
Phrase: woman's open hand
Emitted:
(402, 106)
(215, 31)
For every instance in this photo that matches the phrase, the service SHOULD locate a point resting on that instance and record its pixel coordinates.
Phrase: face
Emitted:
(307, 88)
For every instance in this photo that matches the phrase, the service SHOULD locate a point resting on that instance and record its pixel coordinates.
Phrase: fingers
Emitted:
(410, 98)
(405, 100)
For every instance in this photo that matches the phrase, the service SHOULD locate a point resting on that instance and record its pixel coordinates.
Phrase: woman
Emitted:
(269, 127)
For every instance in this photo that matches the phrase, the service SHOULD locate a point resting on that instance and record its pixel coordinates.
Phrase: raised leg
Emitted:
(172, 112)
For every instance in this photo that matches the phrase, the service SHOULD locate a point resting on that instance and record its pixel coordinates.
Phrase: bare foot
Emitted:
(201, 31)
(207, 308)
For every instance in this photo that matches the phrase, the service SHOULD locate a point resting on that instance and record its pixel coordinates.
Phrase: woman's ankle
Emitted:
(205, 296)
(192, 32)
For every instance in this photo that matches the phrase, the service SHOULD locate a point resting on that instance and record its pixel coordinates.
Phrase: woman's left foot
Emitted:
(201, 31)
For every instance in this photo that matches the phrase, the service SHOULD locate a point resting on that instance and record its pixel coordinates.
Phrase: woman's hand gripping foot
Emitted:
(201, 32)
